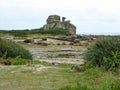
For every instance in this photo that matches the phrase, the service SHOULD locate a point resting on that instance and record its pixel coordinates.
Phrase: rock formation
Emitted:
(54, 21)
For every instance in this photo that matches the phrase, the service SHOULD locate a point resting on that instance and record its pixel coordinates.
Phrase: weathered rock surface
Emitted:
(54, 21)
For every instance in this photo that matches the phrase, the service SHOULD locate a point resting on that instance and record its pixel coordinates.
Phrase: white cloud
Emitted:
(105, 7)
(88, 12)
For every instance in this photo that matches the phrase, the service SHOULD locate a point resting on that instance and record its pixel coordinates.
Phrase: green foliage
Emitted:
(52, 31)
(111, 86)
(105, 86)
(18, 33)
(77, 86)
(24, 33)
(15, 61)
(105, 52)
(37, 62)
(95, 79)
(12, 49)
(88, 65)
(57, 31)
(112, 62)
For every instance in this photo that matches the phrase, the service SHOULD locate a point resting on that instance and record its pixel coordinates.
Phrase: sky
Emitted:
(89, 16)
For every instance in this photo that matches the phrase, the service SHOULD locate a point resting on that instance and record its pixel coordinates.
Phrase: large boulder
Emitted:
(28, 40)
(54, 21)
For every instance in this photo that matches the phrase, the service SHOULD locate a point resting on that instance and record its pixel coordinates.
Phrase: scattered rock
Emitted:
(28, 40)
(44, 39)
(40, 42)
(55, 63)
(76, 41)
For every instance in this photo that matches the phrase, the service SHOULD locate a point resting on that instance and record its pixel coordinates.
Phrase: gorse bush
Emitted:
(12, 49)
(105, 52)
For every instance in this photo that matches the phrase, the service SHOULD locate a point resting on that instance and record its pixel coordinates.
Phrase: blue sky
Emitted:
(90, 16)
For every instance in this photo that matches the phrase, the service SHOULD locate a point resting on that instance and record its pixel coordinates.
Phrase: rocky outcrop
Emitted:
(54, 21)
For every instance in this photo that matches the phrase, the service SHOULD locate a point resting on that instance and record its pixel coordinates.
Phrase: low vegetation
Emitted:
(10, 49)
(105, 53)
(95, 79)
(39, 74)
(100, 72)
(25, 33)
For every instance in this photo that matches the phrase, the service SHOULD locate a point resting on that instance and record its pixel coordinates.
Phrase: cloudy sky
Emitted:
(90, 16)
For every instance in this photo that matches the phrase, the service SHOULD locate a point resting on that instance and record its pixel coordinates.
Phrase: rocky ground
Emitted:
(58, 54)
(56, 51)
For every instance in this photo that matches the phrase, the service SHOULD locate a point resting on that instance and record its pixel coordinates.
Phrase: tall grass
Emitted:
(105, 86)
(95, 79)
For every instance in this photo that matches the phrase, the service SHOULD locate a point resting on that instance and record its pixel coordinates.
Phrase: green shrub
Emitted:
(105, 52)
(12, 49)
(16, 61)
(113, 62)
(88, 65)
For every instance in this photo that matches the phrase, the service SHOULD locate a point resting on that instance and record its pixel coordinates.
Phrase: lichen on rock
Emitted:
(54, 21)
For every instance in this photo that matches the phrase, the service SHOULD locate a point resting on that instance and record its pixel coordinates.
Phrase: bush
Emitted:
(105, 52)
(12, 49)
(16, 61)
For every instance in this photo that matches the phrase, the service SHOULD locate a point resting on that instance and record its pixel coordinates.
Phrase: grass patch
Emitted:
(37, 62)
(95, 79)
(56, 78)
(60, 65)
